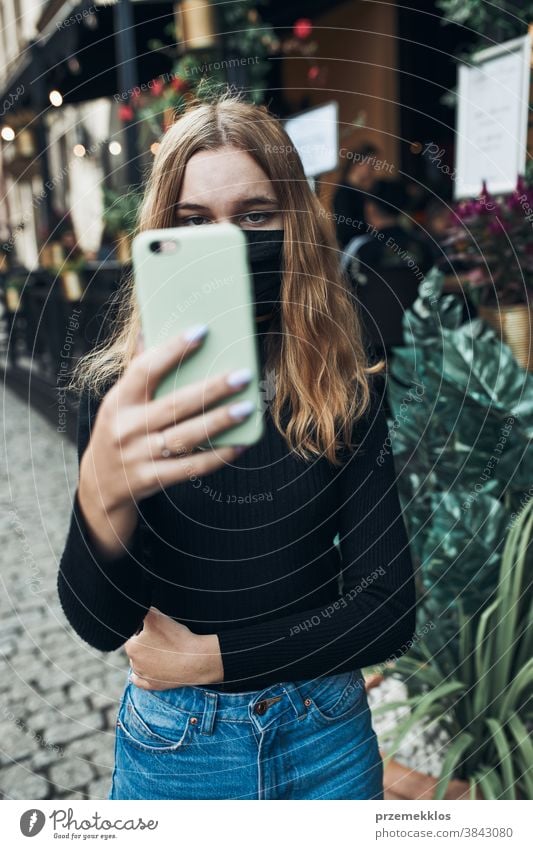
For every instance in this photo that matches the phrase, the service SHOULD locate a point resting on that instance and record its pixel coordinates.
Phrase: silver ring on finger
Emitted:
(165, 450)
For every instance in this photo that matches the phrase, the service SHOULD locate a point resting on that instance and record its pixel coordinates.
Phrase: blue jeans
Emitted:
(304, 740)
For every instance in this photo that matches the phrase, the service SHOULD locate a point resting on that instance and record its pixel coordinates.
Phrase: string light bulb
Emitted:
(7, 133)
(115, 148)
(55, 97)
(79, 150)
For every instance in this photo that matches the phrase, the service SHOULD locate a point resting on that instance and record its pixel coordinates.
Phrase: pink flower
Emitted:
(179, 84)
(466, 209)
(476, 277)
(485, 203)
(303, 28)
(513, 201)
(496, 226)
(125, 113)
(157, 87)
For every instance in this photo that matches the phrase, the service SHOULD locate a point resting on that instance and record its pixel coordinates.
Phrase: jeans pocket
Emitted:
(146, 723)
(338, 697)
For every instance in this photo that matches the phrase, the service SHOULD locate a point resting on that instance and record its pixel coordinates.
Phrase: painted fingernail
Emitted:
(241, 409)
(240, 377)
(240, 449)
(194, 334)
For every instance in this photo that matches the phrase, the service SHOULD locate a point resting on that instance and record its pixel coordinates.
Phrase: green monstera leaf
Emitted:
(462, 549)
(461, 429)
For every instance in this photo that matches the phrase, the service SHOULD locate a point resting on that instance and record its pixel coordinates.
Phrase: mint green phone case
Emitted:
(206, 280)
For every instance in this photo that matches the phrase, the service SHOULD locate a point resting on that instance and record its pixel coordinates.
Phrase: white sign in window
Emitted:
(315, 135)
(492, 116)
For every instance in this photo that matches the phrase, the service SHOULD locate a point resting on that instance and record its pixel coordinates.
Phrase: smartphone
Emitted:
(186, 276)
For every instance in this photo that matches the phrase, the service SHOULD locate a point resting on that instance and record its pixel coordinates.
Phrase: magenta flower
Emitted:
(496, 226)
(493, 238)
(476, 277)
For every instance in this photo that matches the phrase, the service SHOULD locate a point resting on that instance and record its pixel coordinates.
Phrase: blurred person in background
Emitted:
(359, 173)
(437, 225)
(386, 242)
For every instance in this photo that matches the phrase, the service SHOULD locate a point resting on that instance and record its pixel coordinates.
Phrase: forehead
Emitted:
(226, 173)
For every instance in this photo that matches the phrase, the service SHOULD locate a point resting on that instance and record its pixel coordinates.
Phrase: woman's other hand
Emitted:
(167, 654)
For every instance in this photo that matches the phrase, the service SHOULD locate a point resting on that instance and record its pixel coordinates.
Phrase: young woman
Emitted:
(245, 681)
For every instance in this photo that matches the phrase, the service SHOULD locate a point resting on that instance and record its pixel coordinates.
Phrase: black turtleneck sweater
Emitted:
(248, 553)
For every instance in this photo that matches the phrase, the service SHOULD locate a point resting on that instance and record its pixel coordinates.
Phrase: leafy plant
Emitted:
(247, 34)
(493, 238)
(120, 210)
(494, 22)
(248, 42)
(462, 443)
(16, 281)
(485, 700)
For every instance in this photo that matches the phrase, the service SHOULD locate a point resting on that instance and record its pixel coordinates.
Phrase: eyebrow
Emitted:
(259, 200)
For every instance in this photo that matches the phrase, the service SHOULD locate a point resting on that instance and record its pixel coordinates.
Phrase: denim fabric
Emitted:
(304, 740)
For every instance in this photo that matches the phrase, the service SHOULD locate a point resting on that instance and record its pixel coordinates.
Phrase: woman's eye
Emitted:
(192, 221)
(257, 217)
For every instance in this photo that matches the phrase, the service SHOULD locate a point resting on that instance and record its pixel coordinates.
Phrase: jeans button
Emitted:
(261, 707)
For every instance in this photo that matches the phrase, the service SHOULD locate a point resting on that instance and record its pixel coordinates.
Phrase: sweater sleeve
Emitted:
(374, 618)
(105, 600)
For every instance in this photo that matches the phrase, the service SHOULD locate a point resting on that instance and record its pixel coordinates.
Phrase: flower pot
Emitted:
(401, 782)
(195, 24)
(71, 284)
(514, 325)
(373, 680)
(57, 253)
(45, 256)
(12, 298)
(25, 143)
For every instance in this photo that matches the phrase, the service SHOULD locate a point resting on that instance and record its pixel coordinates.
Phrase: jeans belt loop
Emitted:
(296, 699)
(210, 709)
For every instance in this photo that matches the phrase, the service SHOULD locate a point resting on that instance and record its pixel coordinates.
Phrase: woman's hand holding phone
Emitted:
(139, 445)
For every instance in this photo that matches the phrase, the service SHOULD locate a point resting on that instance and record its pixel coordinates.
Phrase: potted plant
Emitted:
(483, 699)
(71, 280)
(487, 23)
(201, 65)
(120, 215)
(461, 436)
(13, 291)
(493, 238)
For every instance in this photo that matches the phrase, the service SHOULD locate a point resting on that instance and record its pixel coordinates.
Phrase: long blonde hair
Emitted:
(321, 367)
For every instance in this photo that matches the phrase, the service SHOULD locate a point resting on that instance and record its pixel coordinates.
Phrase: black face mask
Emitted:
(265, 255)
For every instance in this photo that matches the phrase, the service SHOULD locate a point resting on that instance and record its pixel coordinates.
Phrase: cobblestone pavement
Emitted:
(58, 696)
